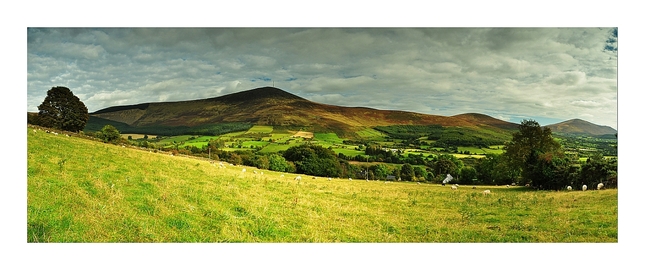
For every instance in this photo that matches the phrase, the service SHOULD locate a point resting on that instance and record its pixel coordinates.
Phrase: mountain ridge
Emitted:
(276, 107)
(579, 126)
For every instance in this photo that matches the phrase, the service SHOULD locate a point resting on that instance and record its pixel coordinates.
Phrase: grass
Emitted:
(84, 191)
(481, 151)
(328, 137)
(260, 129)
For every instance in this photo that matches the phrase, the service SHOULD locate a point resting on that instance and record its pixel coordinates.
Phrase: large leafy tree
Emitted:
(536, 153)
(407, 172)
(63, 110)
(314, 160)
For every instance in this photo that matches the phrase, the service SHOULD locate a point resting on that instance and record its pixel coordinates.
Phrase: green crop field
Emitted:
(80, 190)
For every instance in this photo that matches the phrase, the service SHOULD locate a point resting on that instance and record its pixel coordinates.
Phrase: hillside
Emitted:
(577, 126)
(275, 107)
(79, 190)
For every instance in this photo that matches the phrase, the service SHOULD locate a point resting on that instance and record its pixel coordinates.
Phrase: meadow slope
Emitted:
(80, 190)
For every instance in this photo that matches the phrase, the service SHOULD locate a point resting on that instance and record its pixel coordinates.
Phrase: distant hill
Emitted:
(578, 126)
(276, 107)
(483, 119)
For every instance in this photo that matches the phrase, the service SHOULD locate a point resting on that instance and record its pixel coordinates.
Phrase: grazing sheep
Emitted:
(512, 184)
(600, 186)
(243, 169)
(255, 172)
(453, 187)
(298, 178)
(569, 188)
(350, 179)
(527, 185)
(328, 178)
(418, 183)
(474, 187)
(584, 187)
(457, 185)
(507, 186)
(486, 192)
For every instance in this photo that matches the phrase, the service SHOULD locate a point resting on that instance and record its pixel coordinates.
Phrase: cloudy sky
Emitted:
(546, 74)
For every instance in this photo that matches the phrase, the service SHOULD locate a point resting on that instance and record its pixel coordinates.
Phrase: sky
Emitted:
(511, 73)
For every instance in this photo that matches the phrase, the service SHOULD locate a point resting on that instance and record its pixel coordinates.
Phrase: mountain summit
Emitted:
(578, 126)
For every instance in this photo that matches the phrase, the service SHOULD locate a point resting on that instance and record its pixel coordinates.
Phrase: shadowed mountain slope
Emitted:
(275, 107)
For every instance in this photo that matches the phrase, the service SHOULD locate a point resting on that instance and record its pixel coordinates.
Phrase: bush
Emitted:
(108, 134)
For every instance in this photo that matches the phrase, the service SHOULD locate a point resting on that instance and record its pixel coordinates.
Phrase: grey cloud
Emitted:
(434, 70)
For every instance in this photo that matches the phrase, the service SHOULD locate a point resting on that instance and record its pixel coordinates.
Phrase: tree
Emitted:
(596, 170)
(407, 172)
(314, 160)
(278, 163)
(380, 171)
(536, 153)
(495, 170)
(467, 175)
(447, 164)
(420, 173)
(108, 134)
(62, 110)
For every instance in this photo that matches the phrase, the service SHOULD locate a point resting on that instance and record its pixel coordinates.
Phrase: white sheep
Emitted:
(418, 183)
(453, 187)
(328, 178)
(569, 188)
(457, 185)
(507, 186)
(600, 186)
(584, 187)
(282, 175)
(298, 178)
(487, 192)
(527, 185)
(350, 179)
(243, 169)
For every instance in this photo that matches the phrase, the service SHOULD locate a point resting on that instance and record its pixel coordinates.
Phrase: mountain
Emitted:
(276, 107)
(578, 127)
(483, 119)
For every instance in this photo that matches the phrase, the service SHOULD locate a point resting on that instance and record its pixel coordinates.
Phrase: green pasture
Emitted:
(260, 129)
(481, 151)
(85, 191)
(254, 144)
(177, 139)
(371, 134)
(274, 147)
(328, 137)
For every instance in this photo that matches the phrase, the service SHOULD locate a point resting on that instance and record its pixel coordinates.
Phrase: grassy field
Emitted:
(260, 129)
(84, 191)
